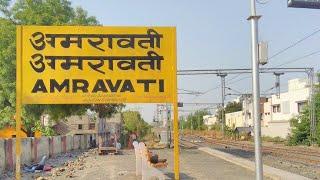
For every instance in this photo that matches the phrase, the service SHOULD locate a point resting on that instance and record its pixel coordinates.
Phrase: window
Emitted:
(285, 107)
(276, 108)
(92, 126)
(79, 126)
(301, 106)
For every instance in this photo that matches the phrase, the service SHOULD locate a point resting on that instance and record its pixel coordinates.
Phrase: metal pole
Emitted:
(277, 85)
(223, 95)
(256, 91)
(312, 110)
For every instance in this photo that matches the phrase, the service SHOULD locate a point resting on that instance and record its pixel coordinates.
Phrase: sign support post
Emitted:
(175, 116)
(176, 141)
(18, 100)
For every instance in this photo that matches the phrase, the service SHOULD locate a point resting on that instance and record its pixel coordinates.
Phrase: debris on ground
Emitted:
(151, 144)
(121, 173)
(70, 167)
(36, 167)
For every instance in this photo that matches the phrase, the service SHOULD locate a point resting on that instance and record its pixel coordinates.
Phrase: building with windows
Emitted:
(243, 118)
(77, 125)
(276, 111)
(281, 109)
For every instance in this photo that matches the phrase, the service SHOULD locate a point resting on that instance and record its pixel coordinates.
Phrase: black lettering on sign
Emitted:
(39, 87)
(37, 63)
(146, 83)
(113, 88)
(100, 86)
(161, 85)
(127, 86)
(55, 85)
(37, 41)
(79, 84)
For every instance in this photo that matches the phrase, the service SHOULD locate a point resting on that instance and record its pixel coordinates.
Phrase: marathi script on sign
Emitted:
(72, 65)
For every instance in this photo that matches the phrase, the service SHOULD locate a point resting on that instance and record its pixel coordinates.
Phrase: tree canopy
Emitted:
(194, 120)
(36, 12)
(230, 108)
(133, 122)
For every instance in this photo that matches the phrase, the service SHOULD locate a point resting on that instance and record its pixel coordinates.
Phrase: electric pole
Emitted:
(223, 95)
(277, 85)
(253, 18)
(313, 122)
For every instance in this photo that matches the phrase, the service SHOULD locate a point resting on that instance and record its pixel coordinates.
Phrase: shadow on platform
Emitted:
(182, 176)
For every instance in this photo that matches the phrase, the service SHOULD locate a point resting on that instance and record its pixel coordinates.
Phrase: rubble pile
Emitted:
(70, 167)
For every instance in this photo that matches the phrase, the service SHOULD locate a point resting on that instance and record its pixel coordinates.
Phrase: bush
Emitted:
(300, 132)
(276, 139)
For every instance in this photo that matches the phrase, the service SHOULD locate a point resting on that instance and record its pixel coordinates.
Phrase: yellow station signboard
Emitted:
(86, 65)
(96, 65)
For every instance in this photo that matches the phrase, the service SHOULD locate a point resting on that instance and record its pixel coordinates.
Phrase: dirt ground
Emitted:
(85, 165)
(89, 165)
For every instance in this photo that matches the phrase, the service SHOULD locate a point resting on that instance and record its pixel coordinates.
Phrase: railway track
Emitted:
(297, 155)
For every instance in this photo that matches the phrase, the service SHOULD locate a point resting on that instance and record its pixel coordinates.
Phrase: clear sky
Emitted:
(215, 34)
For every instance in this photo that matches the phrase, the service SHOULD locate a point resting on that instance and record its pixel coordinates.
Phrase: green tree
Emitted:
(230, 108)
(182, 122)
(194, 120)
(36, 12)
(133, 122)
(300, 131)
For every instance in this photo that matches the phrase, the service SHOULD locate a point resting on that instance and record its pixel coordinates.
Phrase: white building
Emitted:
(235, 119)
(276, 112)
(243, 118)
(209, 120)
(279, 110)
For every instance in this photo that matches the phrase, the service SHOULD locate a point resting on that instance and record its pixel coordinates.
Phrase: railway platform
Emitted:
(195, 164)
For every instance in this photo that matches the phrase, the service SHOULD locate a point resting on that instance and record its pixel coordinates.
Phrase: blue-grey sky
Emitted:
(214, 34)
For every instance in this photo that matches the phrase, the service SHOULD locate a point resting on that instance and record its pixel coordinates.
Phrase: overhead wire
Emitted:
(294, 44)
(217, 87)
(298, 59)
(229, 82)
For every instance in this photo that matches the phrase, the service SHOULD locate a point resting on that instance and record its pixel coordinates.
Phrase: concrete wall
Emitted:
(69, 140)
(83, 142)
(26, 150)
(274, 129)
(42, 148)
(2, 155)
(76, 142)
(33, 149)
(235, 119)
